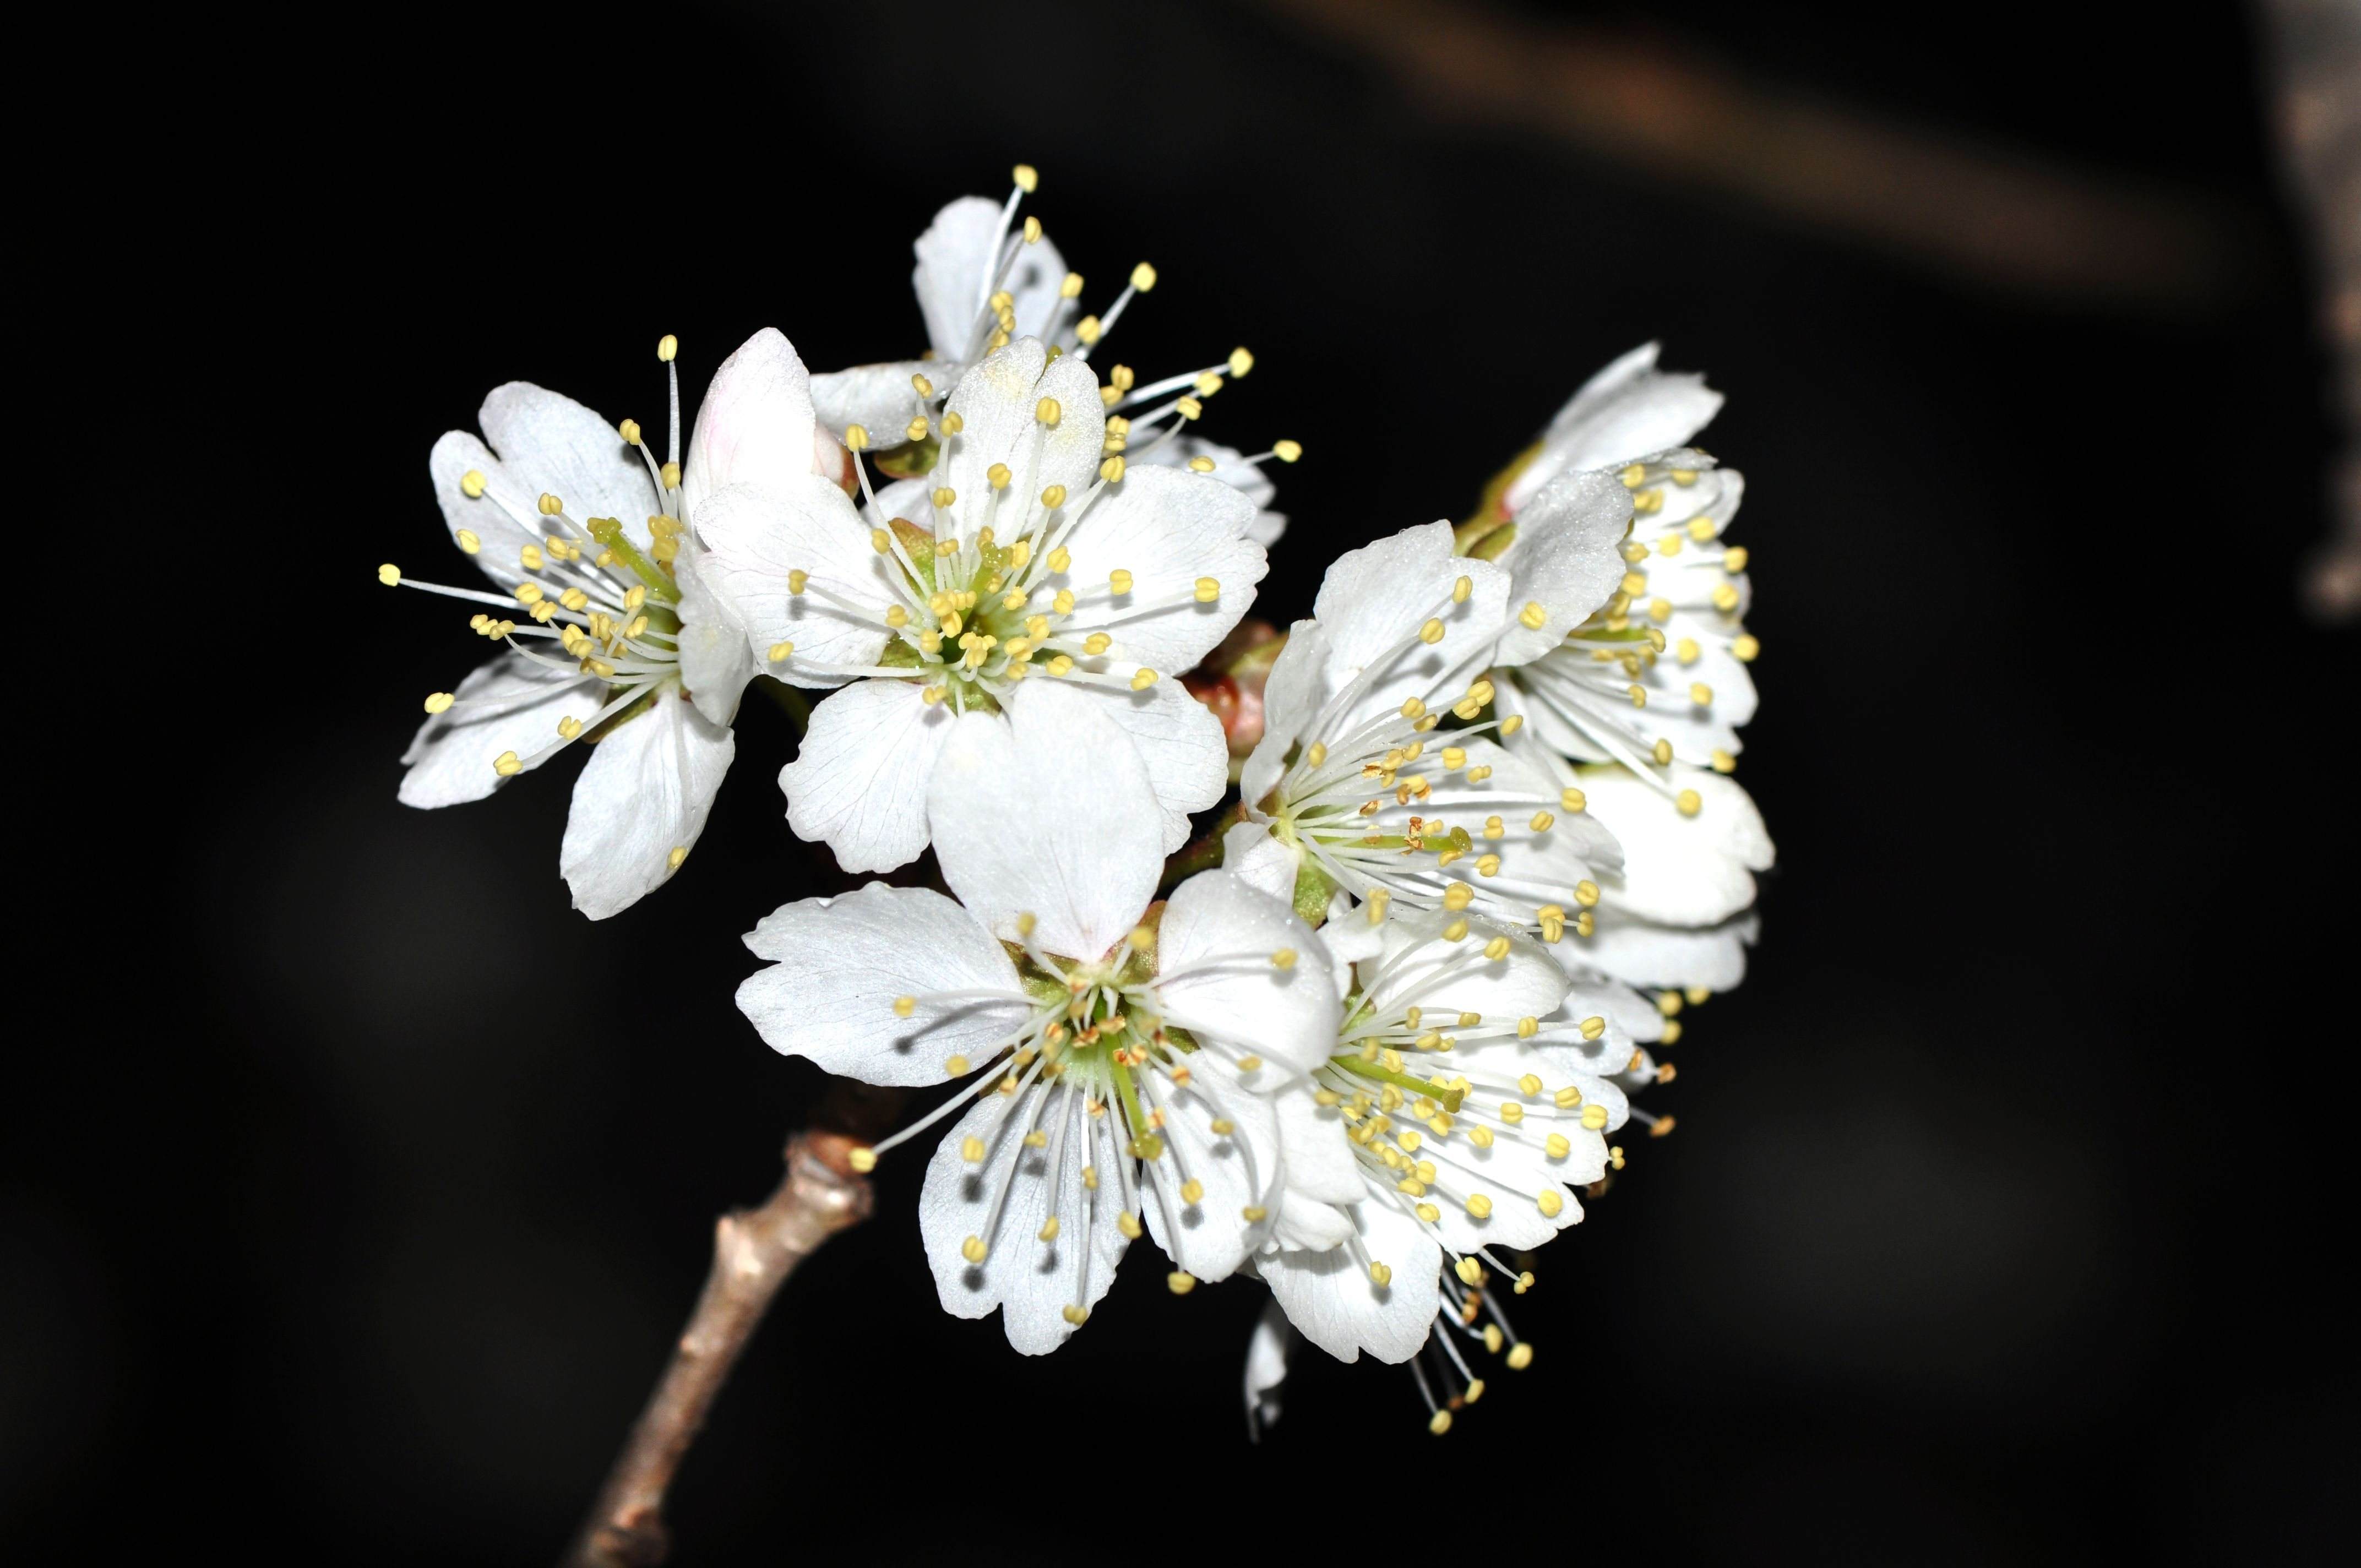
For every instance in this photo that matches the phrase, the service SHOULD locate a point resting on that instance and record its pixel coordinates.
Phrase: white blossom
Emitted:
(1031, 558)
(1116, 1058)
(609, 634)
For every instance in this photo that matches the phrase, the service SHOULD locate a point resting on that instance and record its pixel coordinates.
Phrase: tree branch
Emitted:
(754, 1250)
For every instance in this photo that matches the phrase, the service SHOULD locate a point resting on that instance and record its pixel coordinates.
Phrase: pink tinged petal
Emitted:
(1179, 739)
(1332, 1299)
(508, 705)
(1030, 1281)
(859, 782)
(756, 538)
(756, 426)
(1217, 941)
(641, 802)
(1048, 810)
(841, 966)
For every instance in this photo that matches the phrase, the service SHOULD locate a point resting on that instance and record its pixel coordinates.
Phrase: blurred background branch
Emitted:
(2314, 60)
(1994, 216)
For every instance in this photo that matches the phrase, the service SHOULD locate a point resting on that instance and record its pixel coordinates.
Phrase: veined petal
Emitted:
(1032, 1281)
(1374, 601)
(1680, 868)
(1419, 969)
(1217, 941)
(1048, 811)
(1332, 1299)
(757, 537)
(491, 517)
(1169, 529)
(859, 780)
(879, 398)
(1565, 560)
(1629, 410)
(1179, 739)
(641, 802)
(953, 279)
(715, 661)
(509, 704)
(839, 966)
(556, 446)
(1238, 1169)
(999, 405)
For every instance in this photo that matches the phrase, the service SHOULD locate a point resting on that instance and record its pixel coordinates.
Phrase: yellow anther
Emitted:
(921, 386)
(1458, 896)
(1733, 560)
(1141, 679)
(1470, 1272)
(1725, 597)
(1557, 1146)
(1240, 361)
(944, 495)
(1723, 762)
(1143, 277)
(863, 1160)
(971, 1150)
(1119, 581)
(1688, 801)
(1511, 1113)
(904, 1006)
(471, 485)
(955, 1065)
(569, 727)
(666, 347)
(468, 541)
(1431, 633)
(1283, 960)
(1032, 229)
(1479, 1206)
(1412, 708)
(1428, 1213)
(782, 651)
(1190, 407)
(974, 1250)
(1521, 1355)
(1487, 865)
(881, 541)
(1128, 1223)
(390, 574)
(1209, 589)
(438, 702)
(1533, 615)
(1192, 1191)
(997, 476)
(670, 474)
(679, 853)
(1497, 949)
(1070, 286)
(1249, 1064)
(1063, 665)
(1745, 647)
(1455, 932)
(1047, 411)
(1287, 451)
(1439, 1423)
(1201, 464)
(1141, 938)
(508, 765)
(1595, 1118)
(1027, 178)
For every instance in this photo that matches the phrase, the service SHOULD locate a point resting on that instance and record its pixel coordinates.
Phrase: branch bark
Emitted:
(754, 1250)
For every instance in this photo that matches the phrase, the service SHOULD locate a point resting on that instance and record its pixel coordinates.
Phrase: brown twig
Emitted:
(754, 1250)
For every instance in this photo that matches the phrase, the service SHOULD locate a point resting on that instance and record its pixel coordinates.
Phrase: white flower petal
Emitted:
(1048, 811)
(491, 517)
(1330, 1297)
(879, 398)
(1030, 1280)
(1419, 969)
(643, 797)
(1314, 1138)
(1374, 601)
(839, 965)
(756, 537)
(1237, 1169)
(553, 445)
(998, 402)
(715, 661)
(509, 704)
(756, 426)
(1290, 702)
(1564, 559)
(1680, 870)
(859, 780)
(1227, 932)
(1179, 739)
(1256, 856)
(1640, 952)
(1629, 410)
(1169, 527)
(953, 277)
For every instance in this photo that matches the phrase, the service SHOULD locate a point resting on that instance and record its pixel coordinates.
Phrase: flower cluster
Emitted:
(1369, 1038)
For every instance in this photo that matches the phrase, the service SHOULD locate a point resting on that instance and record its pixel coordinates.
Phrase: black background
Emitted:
(2006, 1204)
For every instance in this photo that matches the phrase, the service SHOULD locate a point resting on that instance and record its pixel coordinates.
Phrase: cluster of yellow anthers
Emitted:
(1095, 1032)
(1625, 638)
(1470, 1299)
